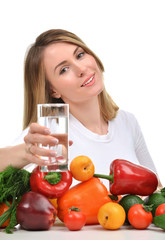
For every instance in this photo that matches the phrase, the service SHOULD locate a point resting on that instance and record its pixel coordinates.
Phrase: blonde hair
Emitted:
(36, 86)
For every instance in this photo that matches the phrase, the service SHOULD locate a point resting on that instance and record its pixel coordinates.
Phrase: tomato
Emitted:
(111, 216)
(74, 219)
(3, 209)
(160, 209)
(139, 217)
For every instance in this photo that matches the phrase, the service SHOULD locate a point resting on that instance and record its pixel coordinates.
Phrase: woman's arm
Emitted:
(13, 155)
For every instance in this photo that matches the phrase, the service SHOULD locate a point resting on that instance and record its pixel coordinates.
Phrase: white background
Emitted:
(129, 38)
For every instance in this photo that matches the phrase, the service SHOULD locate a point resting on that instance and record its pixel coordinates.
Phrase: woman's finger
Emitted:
(36, 128)
(31, 158)
(40, 139)
(34, 149)
(70, 142)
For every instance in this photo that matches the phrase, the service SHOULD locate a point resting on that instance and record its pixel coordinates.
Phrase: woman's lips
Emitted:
(89, 82)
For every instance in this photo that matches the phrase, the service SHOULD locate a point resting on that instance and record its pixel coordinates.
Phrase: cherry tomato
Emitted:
(138, 217)
(74, 219)
(160, 209)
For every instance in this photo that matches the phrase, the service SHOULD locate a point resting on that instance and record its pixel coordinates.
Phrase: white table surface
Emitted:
(96, 232)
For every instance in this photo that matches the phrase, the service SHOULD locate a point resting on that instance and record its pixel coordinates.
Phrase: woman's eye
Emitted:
(63, 70)
(81, 54)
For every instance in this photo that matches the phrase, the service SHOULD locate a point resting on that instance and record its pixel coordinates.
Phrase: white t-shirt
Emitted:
(124, 140)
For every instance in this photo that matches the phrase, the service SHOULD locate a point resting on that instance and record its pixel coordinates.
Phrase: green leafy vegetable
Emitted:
(14, 183)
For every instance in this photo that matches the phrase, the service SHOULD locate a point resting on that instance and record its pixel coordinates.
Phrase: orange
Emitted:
(4, 208)
(111, 216)
(82, 168)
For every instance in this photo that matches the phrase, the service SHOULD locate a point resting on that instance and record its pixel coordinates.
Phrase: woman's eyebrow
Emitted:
(75, 50)
(63, 62)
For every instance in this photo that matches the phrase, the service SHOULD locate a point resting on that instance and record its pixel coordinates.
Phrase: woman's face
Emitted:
(72, 73)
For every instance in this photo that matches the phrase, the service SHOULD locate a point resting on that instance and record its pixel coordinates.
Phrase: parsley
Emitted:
(14, 183)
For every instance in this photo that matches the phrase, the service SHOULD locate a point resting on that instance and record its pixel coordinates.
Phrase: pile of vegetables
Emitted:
(34, 200)
(14, 183)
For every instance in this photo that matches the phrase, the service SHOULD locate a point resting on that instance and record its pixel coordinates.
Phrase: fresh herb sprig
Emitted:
(14, 183)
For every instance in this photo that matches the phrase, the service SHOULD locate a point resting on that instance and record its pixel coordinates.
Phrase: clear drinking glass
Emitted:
(56, 118)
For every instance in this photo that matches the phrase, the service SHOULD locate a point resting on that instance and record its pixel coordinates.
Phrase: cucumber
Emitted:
(159, 221)
(156, 199)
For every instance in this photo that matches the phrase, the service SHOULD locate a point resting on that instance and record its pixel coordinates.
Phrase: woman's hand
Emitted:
(39, 135)
(20, 155)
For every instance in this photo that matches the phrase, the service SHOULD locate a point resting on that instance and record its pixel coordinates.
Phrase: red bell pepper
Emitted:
(51, 184)
(35, 212)
(129, 178)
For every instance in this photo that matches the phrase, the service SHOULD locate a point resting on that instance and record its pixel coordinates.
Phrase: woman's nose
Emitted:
(81, 74)
(80, 70)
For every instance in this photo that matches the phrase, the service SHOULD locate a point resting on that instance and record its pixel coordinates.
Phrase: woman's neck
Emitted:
(90, 116)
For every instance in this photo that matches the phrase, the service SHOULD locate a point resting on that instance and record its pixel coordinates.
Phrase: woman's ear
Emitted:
(55, 94)
(52, 92)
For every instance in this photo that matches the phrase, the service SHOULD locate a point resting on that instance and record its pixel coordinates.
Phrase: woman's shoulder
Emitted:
(125, 116)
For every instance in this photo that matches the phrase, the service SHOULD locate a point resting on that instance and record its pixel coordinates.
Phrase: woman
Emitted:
(60, 68)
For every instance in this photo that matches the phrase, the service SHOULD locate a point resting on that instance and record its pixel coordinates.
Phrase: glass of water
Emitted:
(56, 118)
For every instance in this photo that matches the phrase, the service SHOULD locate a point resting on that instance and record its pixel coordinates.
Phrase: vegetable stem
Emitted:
(53, 177)
(108, 177)
(148, 208)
